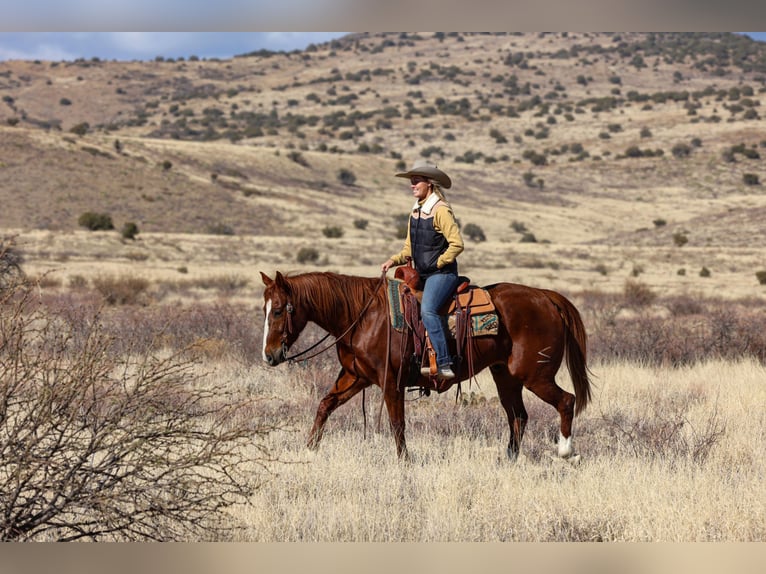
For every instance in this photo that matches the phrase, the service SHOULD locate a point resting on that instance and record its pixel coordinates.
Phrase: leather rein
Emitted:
(290, 310)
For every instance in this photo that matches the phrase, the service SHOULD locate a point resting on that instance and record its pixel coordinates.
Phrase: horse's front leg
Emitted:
(346, 386)
(394, 399)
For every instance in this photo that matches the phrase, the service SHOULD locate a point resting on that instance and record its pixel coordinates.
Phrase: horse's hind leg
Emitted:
(345, 387)
(509, 390)
(543, 384)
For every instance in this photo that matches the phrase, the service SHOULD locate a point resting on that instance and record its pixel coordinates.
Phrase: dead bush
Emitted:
(665, 431)
(102, 445)
(121, 290)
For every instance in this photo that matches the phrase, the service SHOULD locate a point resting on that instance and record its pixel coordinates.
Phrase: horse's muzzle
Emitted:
(276, 356)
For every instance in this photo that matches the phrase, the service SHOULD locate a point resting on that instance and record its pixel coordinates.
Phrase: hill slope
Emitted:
(585, 141)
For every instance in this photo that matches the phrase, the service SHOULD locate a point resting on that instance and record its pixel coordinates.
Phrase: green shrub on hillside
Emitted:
(129, 230)
(474, 232)
(307, 255)
(750, 179)
(346, 177)
(332, 231)
(95, 221)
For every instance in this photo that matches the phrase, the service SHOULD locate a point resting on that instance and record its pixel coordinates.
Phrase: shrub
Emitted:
(65, 102)
(474, 232)
(361, 223)
(11, 274)
(121, 290)
(80, 129)
(333, 231)
(659, 222)
(528, 237)
(705, 272)
(220, 229)
(95, 221)
(307, 255)
(681, 150)
(129, 230)
(518, 226)
(638, 294)
(761, 276)
(601, 268)
(680, 239)
(298, 158)
(103, 445)
(750, 179)
(166, 165)
(346, 177)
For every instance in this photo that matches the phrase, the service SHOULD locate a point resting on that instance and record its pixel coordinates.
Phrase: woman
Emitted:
(433, 242)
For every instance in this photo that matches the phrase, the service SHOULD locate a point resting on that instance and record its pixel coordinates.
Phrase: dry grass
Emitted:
(638, 480)
(667, 451)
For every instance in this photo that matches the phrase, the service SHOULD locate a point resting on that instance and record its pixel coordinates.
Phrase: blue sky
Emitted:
(59, 46)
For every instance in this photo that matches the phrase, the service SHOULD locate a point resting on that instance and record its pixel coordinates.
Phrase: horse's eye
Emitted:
(277, 312)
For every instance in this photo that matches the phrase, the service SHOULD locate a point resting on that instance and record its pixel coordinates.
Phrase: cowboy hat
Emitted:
(428, 170)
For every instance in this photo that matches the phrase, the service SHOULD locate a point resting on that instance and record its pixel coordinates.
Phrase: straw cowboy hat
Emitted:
(430, 171)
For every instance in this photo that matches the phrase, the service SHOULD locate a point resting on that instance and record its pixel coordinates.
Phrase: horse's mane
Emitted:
(333, 295)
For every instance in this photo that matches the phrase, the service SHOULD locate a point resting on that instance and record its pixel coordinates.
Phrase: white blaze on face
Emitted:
(266, 329)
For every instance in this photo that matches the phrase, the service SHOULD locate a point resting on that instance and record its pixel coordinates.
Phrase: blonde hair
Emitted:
(437, 189)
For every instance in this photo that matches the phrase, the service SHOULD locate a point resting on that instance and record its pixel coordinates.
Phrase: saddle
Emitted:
(470, 313)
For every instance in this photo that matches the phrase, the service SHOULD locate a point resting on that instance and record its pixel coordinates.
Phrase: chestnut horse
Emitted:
(538, 328)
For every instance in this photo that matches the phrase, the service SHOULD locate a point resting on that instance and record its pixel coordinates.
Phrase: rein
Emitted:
(290, 309)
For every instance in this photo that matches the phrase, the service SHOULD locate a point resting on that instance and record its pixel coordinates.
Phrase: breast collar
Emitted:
(428, 205)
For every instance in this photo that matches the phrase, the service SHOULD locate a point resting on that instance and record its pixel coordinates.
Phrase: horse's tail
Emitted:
(575, 348)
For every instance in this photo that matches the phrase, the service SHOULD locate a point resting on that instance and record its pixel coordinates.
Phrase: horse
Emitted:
(538, 328)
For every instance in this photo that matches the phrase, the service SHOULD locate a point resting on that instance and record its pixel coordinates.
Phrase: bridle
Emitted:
(290, 309)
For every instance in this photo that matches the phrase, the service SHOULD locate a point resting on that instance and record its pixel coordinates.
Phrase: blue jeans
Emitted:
(437, 290)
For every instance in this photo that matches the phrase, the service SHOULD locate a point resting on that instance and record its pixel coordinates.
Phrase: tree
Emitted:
(102, 444)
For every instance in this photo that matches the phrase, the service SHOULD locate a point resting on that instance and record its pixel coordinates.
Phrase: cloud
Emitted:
(57, 46)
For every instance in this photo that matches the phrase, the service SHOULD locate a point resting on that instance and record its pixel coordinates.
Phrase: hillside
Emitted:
(582, 157)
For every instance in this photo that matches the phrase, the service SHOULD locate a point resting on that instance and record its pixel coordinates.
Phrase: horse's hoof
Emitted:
(513, 455)
(574, 460)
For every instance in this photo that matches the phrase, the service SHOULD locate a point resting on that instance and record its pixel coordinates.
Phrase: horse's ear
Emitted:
(266, 279)
(282, 283)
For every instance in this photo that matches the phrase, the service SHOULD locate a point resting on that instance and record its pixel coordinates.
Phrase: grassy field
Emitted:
(667, 455)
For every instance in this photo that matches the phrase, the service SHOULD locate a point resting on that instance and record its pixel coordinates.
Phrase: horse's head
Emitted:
(284, 321)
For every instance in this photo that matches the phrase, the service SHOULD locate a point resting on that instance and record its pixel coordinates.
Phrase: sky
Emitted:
(67, 46)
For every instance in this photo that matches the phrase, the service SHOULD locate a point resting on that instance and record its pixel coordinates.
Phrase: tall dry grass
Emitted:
(668, 454)
(670, 445)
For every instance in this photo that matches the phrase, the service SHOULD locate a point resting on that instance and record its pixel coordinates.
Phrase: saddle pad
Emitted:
(395, 305)
(481, 325)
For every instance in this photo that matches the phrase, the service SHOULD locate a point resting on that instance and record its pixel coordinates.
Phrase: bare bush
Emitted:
(665, 432)
(697, 329)
(101, 445)
(10, 264)
(121, 290)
